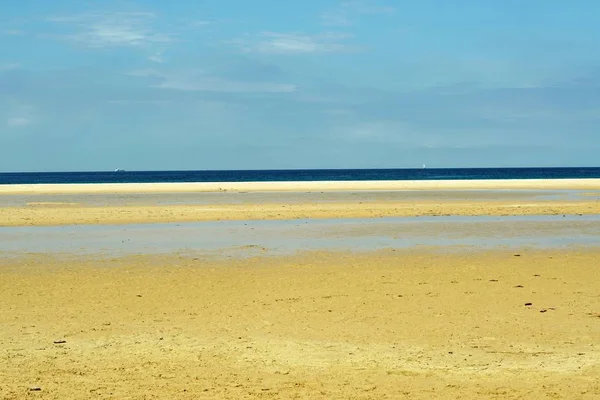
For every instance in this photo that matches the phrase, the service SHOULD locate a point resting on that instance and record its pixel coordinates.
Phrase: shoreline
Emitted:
(293, 186)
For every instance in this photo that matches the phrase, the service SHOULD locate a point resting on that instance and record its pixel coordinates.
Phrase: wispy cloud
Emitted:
(116, 29)
(347, 12)
(21, 117)
(213, 84)
(295, 43)
(199, 81)
(200, 23)
(137, 102)
(145, 73)
(8, 66)
(13, 32)
(335, 19)
(157, 57)
(15, 122)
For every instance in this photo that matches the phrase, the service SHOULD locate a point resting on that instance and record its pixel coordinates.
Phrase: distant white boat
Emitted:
(119, 170)
(424, 166)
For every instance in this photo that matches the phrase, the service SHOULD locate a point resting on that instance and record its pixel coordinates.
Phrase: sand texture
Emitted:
(395, 325)
(38, 205)
(61, 214)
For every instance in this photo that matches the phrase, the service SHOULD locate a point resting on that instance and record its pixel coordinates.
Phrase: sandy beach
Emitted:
(399, 321)
(23, 205)
(414, 325)
(64, 215)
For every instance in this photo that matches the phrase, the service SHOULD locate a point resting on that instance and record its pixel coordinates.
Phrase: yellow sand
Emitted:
(391, 325)
(61, 214)
(65, 204)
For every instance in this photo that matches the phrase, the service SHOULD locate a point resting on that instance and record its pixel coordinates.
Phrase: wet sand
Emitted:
(61, 214)
(47, 205)
(203, 198)
(388, 324)
(286, 237)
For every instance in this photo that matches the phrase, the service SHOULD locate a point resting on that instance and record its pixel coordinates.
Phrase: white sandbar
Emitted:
(296, 186)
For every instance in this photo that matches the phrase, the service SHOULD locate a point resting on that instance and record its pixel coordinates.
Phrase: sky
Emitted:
(271, 84)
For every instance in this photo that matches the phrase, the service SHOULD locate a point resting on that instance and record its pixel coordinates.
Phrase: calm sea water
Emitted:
(298, 175)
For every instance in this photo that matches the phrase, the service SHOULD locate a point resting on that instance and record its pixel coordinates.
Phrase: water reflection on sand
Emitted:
(243, 238)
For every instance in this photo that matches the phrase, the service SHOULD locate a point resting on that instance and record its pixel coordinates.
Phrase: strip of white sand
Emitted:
(295, 186)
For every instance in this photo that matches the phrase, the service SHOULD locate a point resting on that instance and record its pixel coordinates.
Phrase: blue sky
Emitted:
(232, 84)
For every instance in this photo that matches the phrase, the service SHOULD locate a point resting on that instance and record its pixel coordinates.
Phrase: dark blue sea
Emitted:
(298, 175)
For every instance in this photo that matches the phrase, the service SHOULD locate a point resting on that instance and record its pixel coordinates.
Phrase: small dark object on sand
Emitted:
(543, 310)
(35, 389)
(519, 286)
(516, 255)
(528, 304)
(59, 341)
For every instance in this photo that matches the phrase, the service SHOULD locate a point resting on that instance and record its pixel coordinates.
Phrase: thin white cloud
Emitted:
(294, 43)
(211, 84)
(116, 29)
(8, 66)
(199, 81)
(22, 116)
(157, 57)
(15, 122)
(335, 19)
(200, 23)
(136, 102)
(145, 73)
(13, 32)
(196, 25)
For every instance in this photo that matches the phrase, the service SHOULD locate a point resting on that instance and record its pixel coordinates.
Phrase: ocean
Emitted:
(298, 175)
